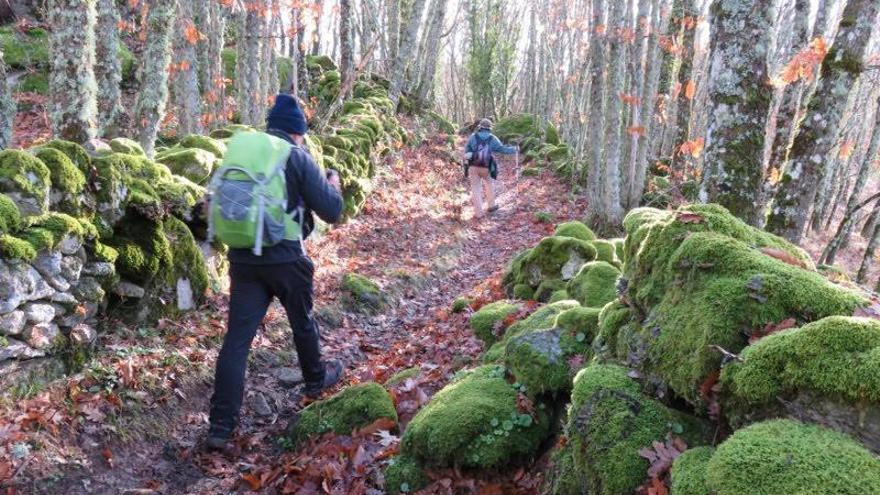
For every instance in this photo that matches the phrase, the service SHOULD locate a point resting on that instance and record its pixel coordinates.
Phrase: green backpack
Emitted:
(248, 205)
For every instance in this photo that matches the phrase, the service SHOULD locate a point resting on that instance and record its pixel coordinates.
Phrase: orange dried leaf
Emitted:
(783, 256)
(690, 90)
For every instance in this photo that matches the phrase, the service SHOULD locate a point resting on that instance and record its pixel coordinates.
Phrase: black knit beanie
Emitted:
(286, 116)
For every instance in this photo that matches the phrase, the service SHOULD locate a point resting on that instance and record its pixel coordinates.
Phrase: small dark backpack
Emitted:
(483, 156)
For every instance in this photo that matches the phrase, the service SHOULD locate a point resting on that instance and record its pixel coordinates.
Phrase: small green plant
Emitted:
(543, 217)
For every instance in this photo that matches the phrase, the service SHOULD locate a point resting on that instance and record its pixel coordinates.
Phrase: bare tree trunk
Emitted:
(108, 67)
(346, 61)
(871, 250)
(640, 61)
(248, 68)
(734, 153)
(404, 55)
(818, 133)
(186, 78)
(214, 88)
(316, 38)
(613, 212)
(393, 13)
(598, 55)
(72, 86)
(7, 108)
(153, 96)
(426, 81)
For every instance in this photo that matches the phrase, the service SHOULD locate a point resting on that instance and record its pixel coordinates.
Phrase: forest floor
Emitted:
(133, 420)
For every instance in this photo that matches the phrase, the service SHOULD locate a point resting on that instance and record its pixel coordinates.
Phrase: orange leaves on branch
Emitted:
(774, 176)
(636, 131)
(690, 89)
(192, 34)
(846, 149)
(629, 99)
(601, 29)
(803, 65)
(694, 147)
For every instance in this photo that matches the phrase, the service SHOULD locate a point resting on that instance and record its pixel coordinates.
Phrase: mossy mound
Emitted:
(460, 304)
(689, 472)
(77, 154)
(127, 146)
(404, 475)
(354, 407)
(609, 421)
(784, 456)
(25, 179)
(606, 251)
(554, 258)
(490, 318)
(595, 285)
(575, 229)
(547, 288)
(10, 217)
(402, 376)
(541, 359)
(363, 294)
(613, 317)
(193, 163)
(215, 146)
(474, 422)
(835, 358)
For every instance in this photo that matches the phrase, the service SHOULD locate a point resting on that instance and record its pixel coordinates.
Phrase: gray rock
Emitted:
(88, 289)
(261, 405)
(63, 298)
(83, 313)
(40, 370)
(20, 283)
(38, 312)
(572, 266)
(128, 289)
(28, 205)
(16, 349)
(71, 268)
(97, 147)
(48, 264)
(185, 299)
(12, 323)
(70, 244)
(289, 377)
(83, 335)
(99, 269)
(59, 310)
(42, 336)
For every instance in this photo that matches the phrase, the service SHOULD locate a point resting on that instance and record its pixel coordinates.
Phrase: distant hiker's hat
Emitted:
(485, 124)
(286, 116)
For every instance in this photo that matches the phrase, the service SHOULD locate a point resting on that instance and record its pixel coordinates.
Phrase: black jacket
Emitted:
(308, 186)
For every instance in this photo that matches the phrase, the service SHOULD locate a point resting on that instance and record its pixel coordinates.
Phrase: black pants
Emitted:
(252, 289)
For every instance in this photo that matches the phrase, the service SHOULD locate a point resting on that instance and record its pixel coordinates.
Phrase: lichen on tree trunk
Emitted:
(186, 78)
(72, 85)
(7, 107)
(108, 67)
(740, 102)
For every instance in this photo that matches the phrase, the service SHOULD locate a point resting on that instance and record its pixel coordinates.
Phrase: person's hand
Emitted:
(333, 179)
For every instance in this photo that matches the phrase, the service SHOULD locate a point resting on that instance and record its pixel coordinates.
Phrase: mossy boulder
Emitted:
(188, 269)
(785, 456)
(688, 474)
(143, 249)
(555, 257)
(354, 407)
(402, 376)
(490, 318)
(77, 154)
(575, 229)
(127, 146)
(363, 294)
(25, 179)
(609, 421)
(595, 285)
(547, 288)
(605, 251)
(215, 146)
(193, 163)
(68, 183)
(613, 317)
(475, 422)
(10, 217)
(404, 475)
(14, 248)
(517, 127)
(541, 359)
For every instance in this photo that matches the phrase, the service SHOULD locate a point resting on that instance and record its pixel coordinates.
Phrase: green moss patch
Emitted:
(215, 146)
(26, 180)
(13, 248)
(460, 304)
(689, 472)
(189, 262)
(354, 407)
(10, 217)
(77, 154)
(363, 294)
(613, 317)
(474, 422)
(784, 456)
(126, 146)
(193, 163)
(66, 177)
(556, 257)
(488, 321)
(595, 285)
(605, 251)
(575, 229)
(404, 475)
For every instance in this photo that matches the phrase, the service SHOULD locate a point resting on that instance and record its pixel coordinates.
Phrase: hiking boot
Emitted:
(332, 375)
(218, 438)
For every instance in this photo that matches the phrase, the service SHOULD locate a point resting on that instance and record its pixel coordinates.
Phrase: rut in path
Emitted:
(417, 238)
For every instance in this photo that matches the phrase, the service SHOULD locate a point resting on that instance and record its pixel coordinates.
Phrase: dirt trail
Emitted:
(417, 239)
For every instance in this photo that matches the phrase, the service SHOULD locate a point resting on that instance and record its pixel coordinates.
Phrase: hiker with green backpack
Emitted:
(481, 168)
(261, 204)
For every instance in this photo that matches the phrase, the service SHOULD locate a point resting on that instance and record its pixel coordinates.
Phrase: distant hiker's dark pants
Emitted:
(251, 292)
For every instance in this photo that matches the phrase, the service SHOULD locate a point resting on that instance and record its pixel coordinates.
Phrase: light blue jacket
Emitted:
(495, 144)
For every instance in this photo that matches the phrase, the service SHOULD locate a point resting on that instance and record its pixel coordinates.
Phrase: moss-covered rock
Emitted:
(523, 292)
(215, 146)
(555, 257)
(595, 285)
(614, 316)
(547, 287)
(143, 249)
(834, 358)
(14, 248)
(126, 146)
(26, 181)
(605, 251)
(490, 318)
(460, 304)
(188, 260)
(10, 217)
(784, 456)
(609, 421)
(541, 359)
(404, 475)
(193, 163)
(363, 293)
(402, 376)
(575, 229)
(689, 472)
(354, 407)
(474, 422)
(559, 295)
(77, 154)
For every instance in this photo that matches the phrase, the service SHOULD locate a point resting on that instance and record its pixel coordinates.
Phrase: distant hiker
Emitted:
(481, 167)
(270, 176)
